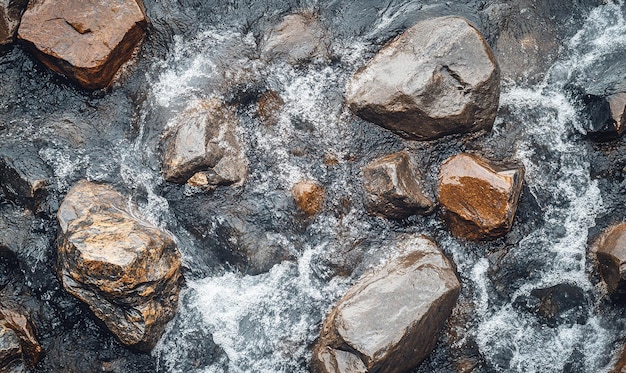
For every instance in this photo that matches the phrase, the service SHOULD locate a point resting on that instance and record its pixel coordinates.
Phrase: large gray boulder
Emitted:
(10, 16)
(124, 268)
(437, 78)
(389, 320)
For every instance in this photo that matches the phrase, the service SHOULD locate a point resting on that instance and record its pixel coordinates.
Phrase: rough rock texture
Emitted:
(10, 351)
(24, 177)
(202, 147)
(85, 40)
(393, 187)
(125, 269)
(606, 115)
(479, 198)
(437, 78)
(298, 38)
(19, 346)
(610, 251)
(556, 305)
(10, 16)
(390, 318)
(270, 104)
(309, 197)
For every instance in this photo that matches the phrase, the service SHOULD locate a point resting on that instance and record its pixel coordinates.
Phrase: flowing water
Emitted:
(233, 321)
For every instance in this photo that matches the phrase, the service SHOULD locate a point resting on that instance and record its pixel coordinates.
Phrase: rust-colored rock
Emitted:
(270, 104)
(620, 365)
(389, 320)
(309, 197)
(479, 198)
(610, 252)
(124, 268)
(18, 343)
(10, 16)
(202, 147)
(393, 187)
(87, 41)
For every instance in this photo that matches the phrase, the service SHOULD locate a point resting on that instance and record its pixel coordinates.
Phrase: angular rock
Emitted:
(16, 322)
(24, 177)
(309, 197)
(606, 116)
(124, 268)
(87, 41)
(270, 104)
(389, 320)
(557, 305)
(610, 252)
(437, 78)
(203, 148)
(478, 197)
(10, 351)
(298, 38)
(393, 187)
(10, 16)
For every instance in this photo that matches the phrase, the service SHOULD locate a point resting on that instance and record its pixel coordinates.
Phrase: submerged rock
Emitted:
(124, 268)
(10, 16)
(479, 198)
(298, 38)
(389, 320)
(309, 197)
(87, 41)
(437, 78)
(610, 252)
(556, 305)
(18, 345)
(606, 119)
(393, 187)
(203, 148)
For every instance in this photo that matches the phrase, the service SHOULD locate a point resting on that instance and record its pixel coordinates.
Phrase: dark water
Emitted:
(230, 321)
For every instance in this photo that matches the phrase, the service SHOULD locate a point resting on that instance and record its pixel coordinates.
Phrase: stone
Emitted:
(389, 320)
(556, 305)
(393, 187)
(620, 365)
(203, 148)
(24, 177)
(10, 16)
(437, 78)
(10, 351)
(309, 197)
(270, 104)
(15, 321)
(87, 41)
(479, 198)
(610, 255)
(298, 38)
(123, 267)
(605, 114)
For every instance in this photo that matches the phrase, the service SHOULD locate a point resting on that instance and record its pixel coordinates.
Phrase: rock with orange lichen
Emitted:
(309, 197)
(124, 268)
(478, 197)
(87, 41)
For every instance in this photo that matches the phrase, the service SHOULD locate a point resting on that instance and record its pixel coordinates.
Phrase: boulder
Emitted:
(610, 253)
(605, 116)
(203, 148)
(309, 197)
(389, 320)
(437, 78)
(124, 268)
(298, 38)
(393, 187)
(87, 41)
(10, 16)
(18, 345)
(479, 198)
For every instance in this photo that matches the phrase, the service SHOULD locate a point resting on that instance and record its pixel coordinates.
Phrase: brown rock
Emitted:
(298, 38)
(479, 198)
(390, 318)
(437, 78)
(270, 105)
(203, 148)
(124, 268)
(10, 351)
(309, 197)
(610, 252)
(18, 323)
(620, 366)
(393, 187)
(617, 105)
(87, 41)
(10, 16)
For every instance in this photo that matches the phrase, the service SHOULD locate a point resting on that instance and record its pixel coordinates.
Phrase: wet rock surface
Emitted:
(610, 253)
(605, 115)
(390, 318)
(125, 269)
(203, 148)
(424, 88)
(10, 16)
(309, 197)
(479, 198)
(85, 41)
(557, 305)
(17, 326)
(394, 187)
(24, 177)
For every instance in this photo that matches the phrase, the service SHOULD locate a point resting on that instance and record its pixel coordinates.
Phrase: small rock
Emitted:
(309, 197)
(479, 198)
(298, 38)
(124, 268)
(18, 322)
(620, 365)
(270, 104)
(24, 177)
(389, 320)
(10, 16)
(393, 187)
(10, 351)
(437, 78)
(610, 252)
(203, 148)
(606, 119)
(87, 41)
(557, 305)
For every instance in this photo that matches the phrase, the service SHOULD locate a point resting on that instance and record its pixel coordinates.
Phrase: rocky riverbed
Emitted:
(294, 186)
